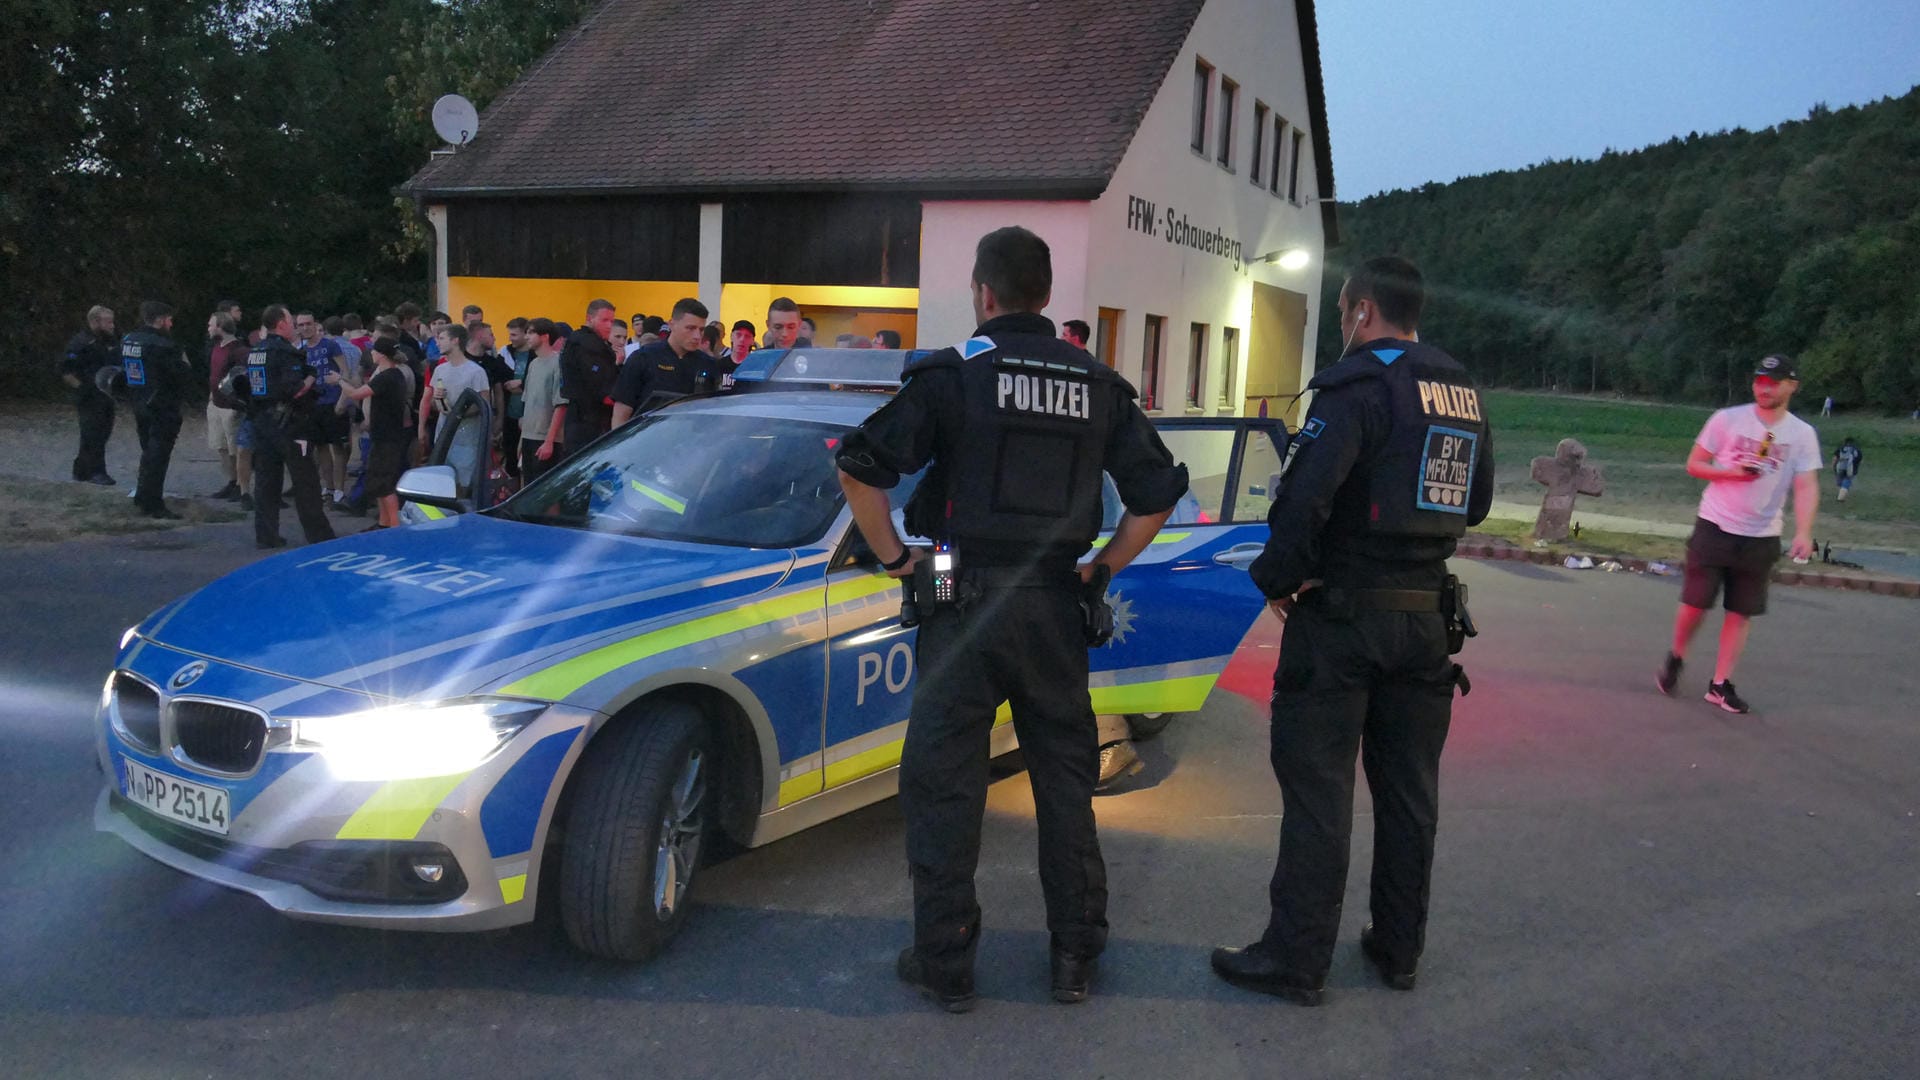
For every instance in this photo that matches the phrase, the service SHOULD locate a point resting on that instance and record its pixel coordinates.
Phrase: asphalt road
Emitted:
(1626, 885)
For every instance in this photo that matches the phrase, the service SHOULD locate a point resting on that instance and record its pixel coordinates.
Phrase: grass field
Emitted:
(34, 511)
(1643, 447)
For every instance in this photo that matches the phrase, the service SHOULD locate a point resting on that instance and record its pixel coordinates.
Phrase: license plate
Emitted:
(198, 805)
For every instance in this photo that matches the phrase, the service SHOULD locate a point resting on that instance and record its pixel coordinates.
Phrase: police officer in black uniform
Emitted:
(1018, 427)
(88, 353)
(672, 367)
(279, 395)
(158, 377)
(1394, 461)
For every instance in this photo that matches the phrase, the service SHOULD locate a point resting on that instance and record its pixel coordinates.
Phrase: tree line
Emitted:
(198, 150)
(1666, 272)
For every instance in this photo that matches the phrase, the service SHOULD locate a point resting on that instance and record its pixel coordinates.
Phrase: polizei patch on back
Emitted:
(1031, 388)
(1446, 470)
(1450, 400)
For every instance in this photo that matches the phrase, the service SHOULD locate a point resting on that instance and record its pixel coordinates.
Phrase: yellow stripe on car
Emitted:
(431, 513)
(659, 496)
(556, 682)
(1161, 695)
(512, 889)
(1159, 538)
(399, 809)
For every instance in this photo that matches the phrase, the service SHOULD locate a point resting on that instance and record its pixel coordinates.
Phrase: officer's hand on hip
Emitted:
(1282, 606)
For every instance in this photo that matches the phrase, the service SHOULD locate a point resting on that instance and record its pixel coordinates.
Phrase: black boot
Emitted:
(1257, 968)
(949, 988)
(1392, 974)
(1073, 977)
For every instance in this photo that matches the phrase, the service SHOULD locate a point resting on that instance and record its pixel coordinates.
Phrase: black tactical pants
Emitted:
(1380, 683)
(275, 452)
(95, 411)
(159, 429)
(1024, 646)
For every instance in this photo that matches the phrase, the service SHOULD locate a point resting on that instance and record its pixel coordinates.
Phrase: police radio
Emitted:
(935, 581)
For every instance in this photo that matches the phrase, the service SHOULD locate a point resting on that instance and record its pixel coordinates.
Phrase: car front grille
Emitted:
(139, 709)
(219, 737)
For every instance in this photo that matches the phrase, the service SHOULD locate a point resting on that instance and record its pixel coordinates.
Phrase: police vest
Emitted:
(144, 356)
(1420, 480)
(1026, 461)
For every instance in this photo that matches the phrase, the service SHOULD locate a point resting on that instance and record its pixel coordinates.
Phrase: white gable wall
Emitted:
(1256, 44)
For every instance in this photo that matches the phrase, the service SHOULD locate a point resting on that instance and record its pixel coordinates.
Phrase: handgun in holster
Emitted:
(1453, 604)
(1096, 615)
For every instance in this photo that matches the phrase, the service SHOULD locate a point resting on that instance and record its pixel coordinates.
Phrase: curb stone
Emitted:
(1788, 576)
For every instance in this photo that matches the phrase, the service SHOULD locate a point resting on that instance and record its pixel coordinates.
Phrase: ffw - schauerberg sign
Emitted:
(1174, 228)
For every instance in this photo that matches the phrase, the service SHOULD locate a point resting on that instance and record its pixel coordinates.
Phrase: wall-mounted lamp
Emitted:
(1288, 258)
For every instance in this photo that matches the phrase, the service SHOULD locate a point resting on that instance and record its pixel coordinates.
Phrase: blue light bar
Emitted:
(811, 367)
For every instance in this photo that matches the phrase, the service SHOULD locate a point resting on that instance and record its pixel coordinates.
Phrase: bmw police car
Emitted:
(675, 635)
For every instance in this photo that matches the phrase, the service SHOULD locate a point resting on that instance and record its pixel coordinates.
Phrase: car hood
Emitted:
(439, 608)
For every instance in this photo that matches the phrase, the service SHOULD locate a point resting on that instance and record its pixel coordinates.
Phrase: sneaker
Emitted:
(1117, 762)
(229, 493)
(1721, 694)
(160, 513)
(1669, 674)
(102, 479)
(246, 501)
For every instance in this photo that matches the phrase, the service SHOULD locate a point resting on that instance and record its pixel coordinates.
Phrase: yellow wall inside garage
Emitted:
(562, 299)
(835, 309)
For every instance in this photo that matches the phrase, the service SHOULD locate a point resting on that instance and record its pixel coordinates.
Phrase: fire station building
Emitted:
(848, 154)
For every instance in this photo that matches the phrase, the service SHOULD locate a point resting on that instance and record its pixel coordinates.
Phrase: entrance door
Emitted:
(1274, 352)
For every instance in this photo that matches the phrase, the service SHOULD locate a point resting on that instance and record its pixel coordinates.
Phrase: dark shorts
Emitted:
(1743, 563)
(385, 462)
(333, 427)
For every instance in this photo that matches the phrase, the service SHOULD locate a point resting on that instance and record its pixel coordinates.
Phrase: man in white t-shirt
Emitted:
(1749, 455)
(455, 373)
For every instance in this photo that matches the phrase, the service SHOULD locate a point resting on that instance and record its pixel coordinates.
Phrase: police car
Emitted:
(674, 636)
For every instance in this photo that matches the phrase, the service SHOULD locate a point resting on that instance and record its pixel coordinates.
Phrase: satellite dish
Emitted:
(455, 119)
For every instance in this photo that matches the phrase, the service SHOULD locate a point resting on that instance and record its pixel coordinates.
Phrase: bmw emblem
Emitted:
(186, 676)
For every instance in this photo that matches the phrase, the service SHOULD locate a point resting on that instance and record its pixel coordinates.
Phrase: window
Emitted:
(1106, 336)
(1229, 363)
(1202, 87)
(1229, 100)
(1293, 172)
(1259, 140)
(1259, 479)
(1279, 140)
(1152, 348)
(1196, 364)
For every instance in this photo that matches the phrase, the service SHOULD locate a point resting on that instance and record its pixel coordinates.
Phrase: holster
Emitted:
(1453, 604)
(1096, 615)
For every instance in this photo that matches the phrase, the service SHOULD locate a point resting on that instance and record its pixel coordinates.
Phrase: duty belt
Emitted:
(1019, 577)
(1410, 600)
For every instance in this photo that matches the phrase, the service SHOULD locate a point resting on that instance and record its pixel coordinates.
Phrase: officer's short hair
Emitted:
(408, 310)
(886, 339)
(595, 307)
(688, 306)
(273, 316)
(1017, 265)
(781, 303)
(225, 322)
(1079, 328)
(152, 311)
(1394, 285)
(747, 325)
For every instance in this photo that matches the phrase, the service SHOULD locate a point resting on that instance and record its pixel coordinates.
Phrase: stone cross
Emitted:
(1566, 474)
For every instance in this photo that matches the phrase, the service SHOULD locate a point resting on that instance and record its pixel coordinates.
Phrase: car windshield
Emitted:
(707, 477)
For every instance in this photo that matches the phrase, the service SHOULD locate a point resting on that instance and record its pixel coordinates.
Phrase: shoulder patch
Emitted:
(1388, 356)
(974, 346)
(1312, 428)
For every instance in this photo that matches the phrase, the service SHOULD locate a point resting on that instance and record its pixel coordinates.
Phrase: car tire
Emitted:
(1145, 726)
(636, 832)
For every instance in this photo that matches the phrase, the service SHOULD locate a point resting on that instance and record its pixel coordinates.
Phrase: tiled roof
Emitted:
(956, 97)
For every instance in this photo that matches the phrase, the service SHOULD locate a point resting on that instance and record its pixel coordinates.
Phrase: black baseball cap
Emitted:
(1777, 366)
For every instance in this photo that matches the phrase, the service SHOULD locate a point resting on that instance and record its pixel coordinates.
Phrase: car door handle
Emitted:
(1240, 555)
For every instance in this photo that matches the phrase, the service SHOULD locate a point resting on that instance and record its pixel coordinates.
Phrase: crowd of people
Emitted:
(341, 408)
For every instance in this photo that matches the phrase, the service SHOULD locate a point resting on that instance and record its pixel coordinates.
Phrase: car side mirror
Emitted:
(431, 485)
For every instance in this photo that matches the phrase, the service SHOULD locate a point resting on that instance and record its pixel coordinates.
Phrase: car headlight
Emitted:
(401, 742)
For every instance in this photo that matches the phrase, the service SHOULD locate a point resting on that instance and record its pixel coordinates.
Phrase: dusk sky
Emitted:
(1419, 90)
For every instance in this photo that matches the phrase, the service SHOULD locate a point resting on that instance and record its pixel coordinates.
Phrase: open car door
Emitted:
(465, 443)
(1182, 607)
